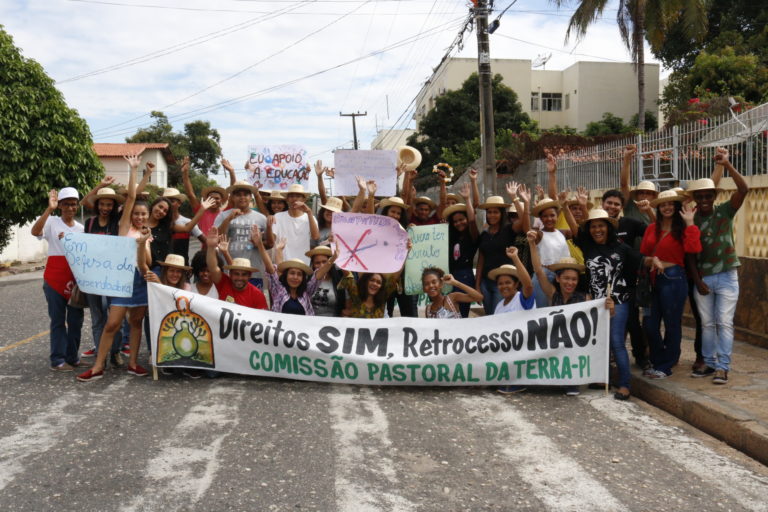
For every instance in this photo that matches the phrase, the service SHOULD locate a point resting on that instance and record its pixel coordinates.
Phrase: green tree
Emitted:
(198, 141)
(638, 21)
(455, 121)
(608, 125)
(45, 144)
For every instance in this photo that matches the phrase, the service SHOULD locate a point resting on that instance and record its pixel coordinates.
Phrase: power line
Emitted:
(182, 46)
(222, 104)
(554, 49)
(247, 68)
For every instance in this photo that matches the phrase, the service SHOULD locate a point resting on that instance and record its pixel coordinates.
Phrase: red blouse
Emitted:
(670, 249)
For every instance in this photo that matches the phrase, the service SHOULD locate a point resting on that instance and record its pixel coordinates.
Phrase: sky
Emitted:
(273, 71)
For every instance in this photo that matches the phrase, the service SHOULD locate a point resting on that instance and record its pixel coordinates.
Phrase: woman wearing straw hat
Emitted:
(293, 283)
(105, 222)
(551, 243)
(395, 208)
(328, 299)
(462, 243)
(611, 266)
(667, 241)
(325, 220)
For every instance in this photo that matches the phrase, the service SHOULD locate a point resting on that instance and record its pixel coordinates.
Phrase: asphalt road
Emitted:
(253, 444)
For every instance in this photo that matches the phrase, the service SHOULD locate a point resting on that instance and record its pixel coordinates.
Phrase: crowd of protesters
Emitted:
(642, 250)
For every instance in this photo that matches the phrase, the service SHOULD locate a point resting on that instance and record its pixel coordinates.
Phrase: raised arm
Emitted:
(314, 231)
(143, 254)
(522, 274)
(188, 188)
(370, 205)
(551, 175)
(53, 203)
(357, 204)
(547, 287)
(737, 199)
(259, 200)
(89, 201)
(130, 200)
(211, 241)
(145, 179)
(224, 248)
(259, 243)
(320, 170)
(475, 188)
(230, 169)
(326, 267)
(467, 293)
(582, 196)
(471, 216)
(185, 228)
(630, 150)
(524, 214)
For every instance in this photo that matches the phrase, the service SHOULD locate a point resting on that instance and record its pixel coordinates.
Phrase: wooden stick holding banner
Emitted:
(608, 293)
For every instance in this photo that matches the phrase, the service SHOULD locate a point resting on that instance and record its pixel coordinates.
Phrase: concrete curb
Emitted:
(21, 269)
(727, 423)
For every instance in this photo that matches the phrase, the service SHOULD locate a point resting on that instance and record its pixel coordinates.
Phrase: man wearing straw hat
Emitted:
(717, 281)
(218, 194)
(237, 223)
(297, 225)
(637, 201)
(235, 287)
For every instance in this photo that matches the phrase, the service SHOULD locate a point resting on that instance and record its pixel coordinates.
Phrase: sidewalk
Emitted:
(735, 413)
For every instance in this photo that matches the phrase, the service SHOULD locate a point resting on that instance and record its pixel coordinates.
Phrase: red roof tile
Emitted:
(112, 150)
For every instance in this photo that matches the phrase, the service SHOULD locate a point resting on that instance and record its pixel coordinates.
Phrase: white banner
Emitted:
(279, 167)
(371, 164)
(551, 346)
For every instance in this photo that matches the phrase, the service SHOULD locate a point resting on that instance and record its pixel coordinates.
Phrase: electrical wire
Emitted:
(555, 49)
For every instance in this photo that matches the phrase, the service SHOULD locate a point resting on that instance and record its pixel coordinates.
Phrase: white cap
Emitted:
(68, 193)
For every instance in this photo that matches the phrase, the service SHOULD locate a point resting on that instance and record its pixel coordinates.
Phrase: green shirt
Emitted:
(718, 250)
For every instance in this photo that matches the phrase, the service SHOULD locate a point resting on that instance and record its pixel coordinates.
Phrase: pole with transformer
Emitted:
(487, 136)
(354, 126)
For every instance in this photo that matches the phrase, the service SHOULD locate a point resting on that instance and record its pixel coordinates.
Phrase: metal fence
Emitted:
(670, 156)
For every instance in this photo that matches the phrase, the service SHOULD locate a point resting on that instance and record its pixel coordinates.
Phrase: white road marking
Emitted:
(744, 486)
(42, 431)
(539, 461)
(174, 473)
(362, 437)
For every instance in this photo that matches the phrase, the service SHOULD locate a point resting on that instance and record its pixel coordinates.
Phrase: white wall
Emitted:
(117, 167)
(23, 246)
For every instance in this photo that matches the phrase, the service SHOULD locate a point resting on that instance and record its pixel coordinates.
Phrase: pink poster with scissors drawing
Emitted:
(369, 243)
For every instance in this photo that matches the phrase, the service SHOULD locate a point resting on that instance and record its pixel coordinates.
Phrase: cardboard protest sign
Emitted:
(369, 243)
(372, 164)
(564, 345)
(278, 167)
(102, 265)
(430, 249)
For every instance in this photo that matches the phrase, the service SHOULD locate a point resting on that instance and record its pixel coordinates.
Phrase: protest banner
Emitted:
(565, 345)
(102, 265)
(430, 249)
(278, 167)
(357, 233)
(372, 164)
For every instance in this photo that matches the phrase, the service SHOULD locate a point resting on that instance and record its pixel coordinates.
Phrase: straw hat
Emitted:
(426, 200)
(494, 202)
(241, 264)
(504, 270)
(240, 185)
(394, 201)
(647, 186)
(294, 263)
(702, 184)
(296, 189)
(565, 263)
(173, 193)
(108, 193)
(680, 191)
(667, 195)
(458, 207)
(175, 261)
(573, 200)
(512, 209)
(320, 249)
(408, 156)
(220, 190)
(455, 197)
(544, 204)
(333, 204)
(599, 214)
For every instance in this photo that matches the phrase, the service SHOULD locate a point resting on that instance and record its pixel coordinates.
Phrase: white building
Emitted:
(571, 97)
(111, 156)
(391, 139)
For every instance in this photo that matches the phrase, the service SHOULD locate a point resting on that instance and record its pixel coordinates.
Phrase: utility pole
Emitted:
(354, 126)
(487, 139)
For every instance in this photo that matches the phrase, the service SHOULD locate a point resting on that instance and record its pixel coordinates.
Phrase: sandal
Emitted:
(621, 396)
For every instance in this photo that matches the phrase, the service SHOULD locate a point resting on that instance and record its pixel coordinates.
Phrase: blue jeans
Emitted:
(716, 310)
(66, 324)
(618, 345)
(541, 298)
(465, 276)
(491, 295)
(669, 293)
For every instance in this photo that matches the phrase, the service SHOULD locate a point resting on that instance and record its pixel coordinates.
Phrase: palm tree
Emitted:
(640, 20)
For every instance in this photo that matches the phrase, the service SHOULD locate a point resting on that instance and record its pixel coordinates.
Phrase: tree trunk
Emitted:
(638, 33)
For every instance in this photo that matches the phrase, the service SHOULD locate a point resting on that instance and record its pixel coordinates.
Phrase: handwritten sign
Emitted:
(369, 243)
(279, 167)
(376, 165)
(429, 249)
(103, 265)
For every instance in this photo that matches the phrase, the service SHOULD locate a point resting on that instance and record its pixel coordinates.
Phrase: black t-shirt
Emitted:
(493, 247)
(630, 231)
(615, 263)
(112, 228)
(160, 246)
(461, 251)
